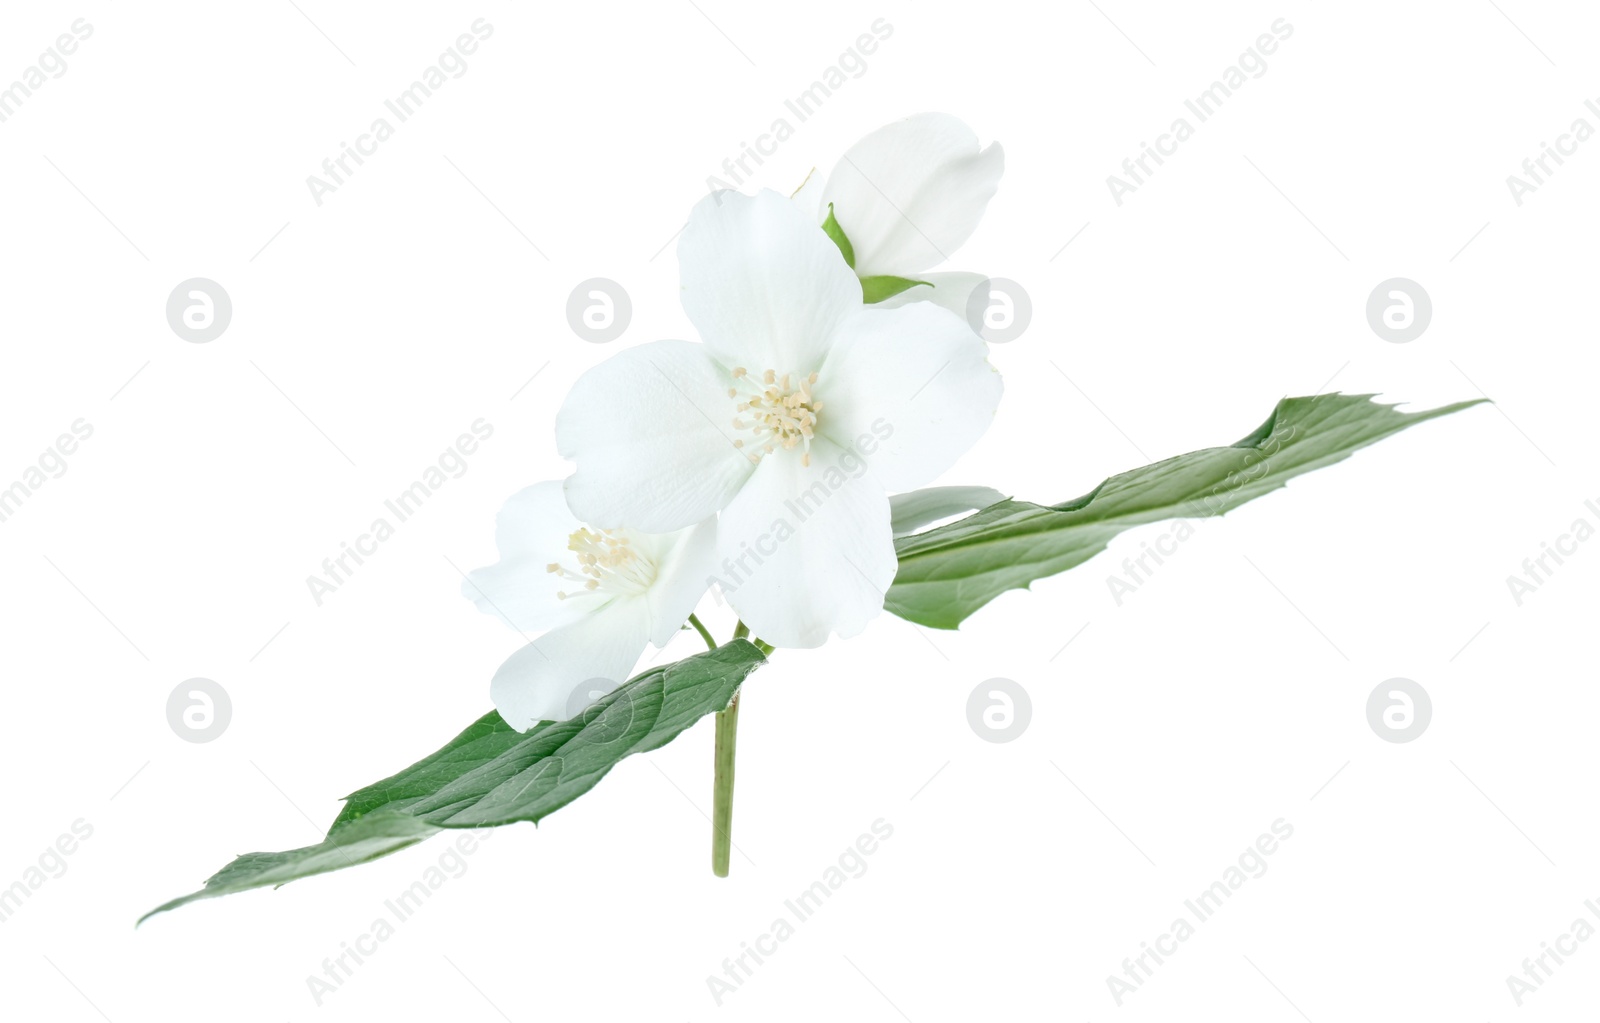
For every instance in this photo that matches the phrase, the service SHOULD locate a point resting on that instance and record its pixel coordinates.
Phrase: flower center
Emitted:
(778, 410)
(606, 561)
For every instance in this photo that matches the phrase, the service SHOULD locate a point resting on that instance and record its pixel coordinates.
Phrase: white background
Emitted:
(1174, 729)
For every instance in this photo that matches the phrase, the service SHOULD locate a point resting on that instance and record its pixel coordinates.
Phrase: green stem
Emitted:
(722, 788)
(741, 630)
(705, 634)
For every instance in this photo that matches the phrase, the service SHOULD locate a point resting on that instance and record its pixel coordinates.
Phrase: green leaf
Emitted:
(834, 231)
(876, 289)
(491, 774)
(947, 573)
(367, 840)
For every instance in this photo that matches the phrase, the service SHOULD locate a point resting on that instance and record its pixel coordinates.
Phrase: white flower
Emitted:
(795, 418)
(597, 595)
(907, 196)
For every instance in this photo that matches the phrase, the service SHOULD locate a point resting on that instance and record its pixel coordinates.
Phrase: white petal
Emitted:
(953, 290)
(531, 532)
(909, 194)
(651, 430)
(807, 550)
(685, 562)
(567, 669)
(911, 389)
(762, 282)
(909, 513)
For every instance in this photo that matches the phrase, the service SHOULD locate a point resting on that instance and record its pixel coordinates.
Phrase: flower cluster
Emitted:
(832, 371)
